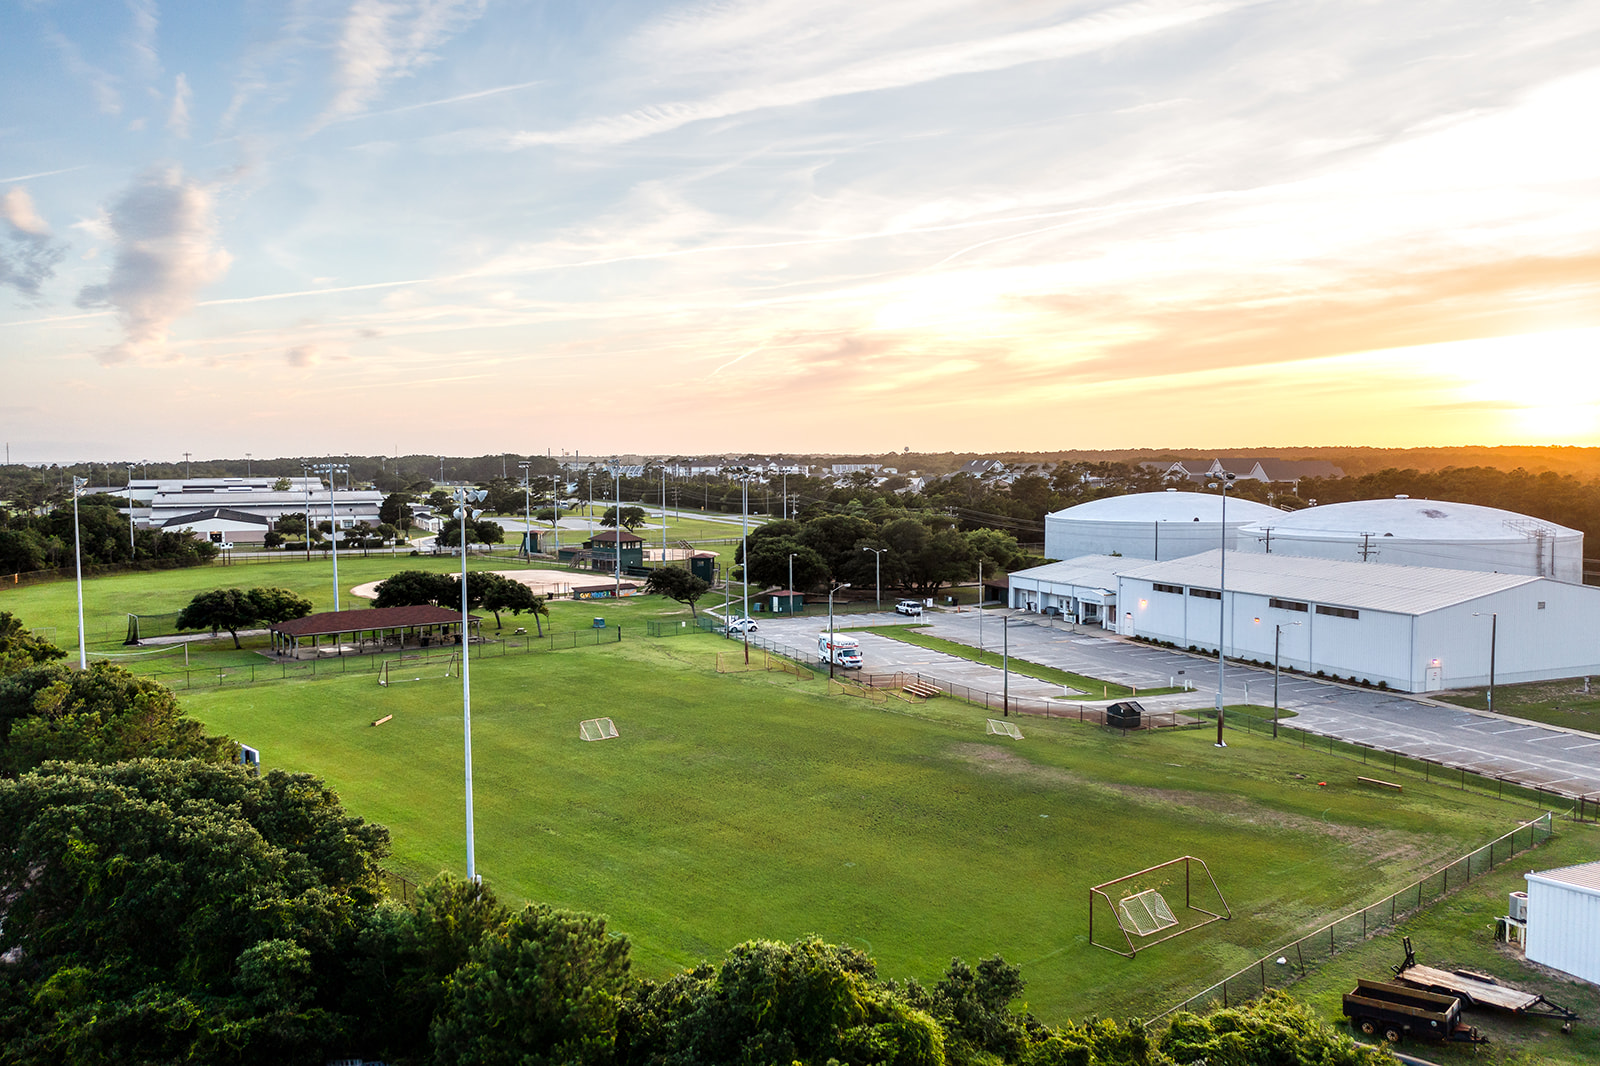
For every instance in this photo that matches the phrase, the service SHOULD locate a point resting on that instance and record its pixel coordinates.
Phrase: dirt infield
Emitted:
(551, 583)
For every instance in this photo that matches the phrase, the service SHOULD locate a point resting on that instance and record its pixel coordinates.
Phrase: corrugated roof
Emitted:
(330, 622)
(1086, 571)
(1374, 586)
(1585, 876)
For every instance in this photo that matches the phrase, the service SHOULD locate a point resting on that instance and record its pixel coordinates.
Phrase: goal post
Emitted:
(597, 729)
(1157, 904)
(417, 668)
(1003, 729)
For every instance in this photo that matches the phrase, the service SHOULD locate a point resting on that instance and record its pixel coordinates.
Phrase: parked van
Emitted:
(842, 651)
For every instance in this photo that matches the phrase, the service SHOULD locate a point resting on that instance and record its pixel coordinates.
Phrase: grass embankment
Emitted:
(1562, 703)
(754, 805)
(1088, 687)
(1458, 932)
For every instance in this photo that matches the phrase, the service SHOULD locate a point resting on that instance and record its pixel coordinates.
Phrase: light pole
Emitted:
(333, 521)
(527, 510)
(831, 654)
(1494, 625)
(248, 470)
(616, 527)
(464, 513)
(877, 571)
(791, 580)
(1005, 664)
(77, 558)
(1277, 639)
(131, 548)
(1222, 604)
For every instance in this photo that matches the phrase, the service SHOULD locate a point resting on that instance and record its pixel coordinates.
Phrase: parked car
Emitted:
(911, 607)
(739, 625)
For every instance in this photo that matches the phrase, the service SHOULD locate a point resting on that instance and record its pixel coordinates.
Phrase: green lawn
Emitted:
(1562, 703)
(1088, 687)
(1459, 933)
(754, 805)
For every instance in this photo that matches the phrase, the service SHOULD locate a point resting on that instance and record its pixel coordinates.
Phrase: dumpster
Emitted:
(1125, 714)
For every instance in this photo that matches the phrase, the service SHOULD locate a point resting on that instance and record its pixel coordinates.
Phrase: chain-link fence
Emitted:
(337, 665)
(1286, 965)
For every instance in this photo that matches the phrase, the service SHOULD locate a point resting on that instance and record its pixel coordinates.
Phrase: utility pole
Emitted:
(186, 471)
(1366, 549)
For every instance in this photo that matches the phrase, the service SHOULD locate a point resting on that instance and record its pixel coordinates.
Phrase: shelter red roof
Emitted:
(329, 622)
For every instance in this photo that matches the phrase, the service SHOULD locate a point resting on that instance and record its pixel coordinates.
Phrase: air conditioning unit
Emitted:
(1519, 906)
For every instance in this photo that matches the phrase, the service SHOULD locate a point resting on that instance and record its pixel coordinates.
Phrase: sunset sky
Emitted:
(795, 225)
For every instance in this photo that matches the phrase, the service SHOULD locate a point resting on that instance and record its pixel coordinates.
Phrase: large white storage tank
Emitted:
(1149, 525)
(1407, 532)
(1564, 919)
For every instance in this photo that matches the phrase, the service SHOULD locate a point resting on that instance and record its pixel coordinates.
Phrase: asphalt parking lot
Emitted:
(1489, 744)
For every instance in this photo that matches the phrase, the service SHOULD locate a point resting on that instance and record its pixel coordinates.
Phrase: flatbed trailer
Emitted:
(1479, 990)
(1395, 1011)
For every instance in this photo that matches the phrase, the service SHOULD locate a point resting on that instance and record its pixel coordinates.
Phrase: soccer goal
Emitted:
(417, 668)
(1004, 729)
(597, 729)
(1141, 905)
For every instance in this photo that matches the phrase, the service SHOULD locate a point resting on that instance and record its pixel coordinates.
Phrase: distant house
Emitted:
(1243, 468)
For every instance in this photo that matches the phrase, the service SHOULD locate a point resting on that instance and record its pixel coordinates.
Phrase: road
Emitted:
(1534, 754)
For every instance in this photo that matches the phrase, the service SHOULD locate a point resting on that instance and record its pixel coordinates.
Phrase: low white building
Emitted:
(221, 525)
(1083, 589)
(1412, 628)
(350, 507)
(1564, 920)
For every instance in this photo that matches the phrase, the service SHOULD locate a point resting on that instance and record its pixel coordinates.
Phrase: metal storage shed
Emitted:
(1564, 920)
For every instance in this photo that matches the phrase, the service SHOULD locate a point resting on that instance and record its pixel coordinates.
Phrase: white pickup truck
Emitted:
(910, 607)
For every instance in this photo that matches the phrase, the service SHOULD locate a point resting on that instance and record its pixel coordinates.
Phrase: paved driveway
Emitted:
(1542, 755)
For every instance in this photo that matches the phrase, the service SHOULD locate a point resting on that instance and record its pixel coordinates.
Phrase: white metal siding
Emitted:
(1564, 929)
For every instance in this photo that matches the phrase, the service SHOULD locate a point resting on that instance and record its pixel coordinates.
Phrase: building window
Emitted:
(1206, 594)
(1541, 605)
(1338, 612)
(1286, 605)
(1178, 589)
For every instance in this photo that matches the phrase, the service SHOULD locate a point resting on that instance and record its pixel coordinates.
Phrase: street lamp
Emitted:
(1494, 625)
(77, 558)
(1005, 664)
(616, 524)
(1277, 638)
(877, 572)
(791, 580)
(131, 548)
(527, 509)
(464, 513)
(333, 520)
(831, 653)
(1222, 604)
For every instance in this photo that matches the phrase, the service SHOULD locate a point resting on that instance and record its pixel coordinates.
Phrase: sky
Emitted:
(395, 226)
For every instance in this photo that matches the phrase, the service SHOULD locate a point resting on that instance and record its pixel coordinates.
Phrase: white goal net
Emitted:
(597, 729)
(1004, 729)
(1146, 913)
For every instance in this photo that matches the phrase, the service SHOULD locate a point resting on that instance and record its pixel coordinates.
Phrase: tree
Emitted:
(544, 988)
(229, 609)
(164, 911)
(479, 531)
(101, 714)
(417, 588)
(271, 539)
(396, 510)
(277, 605)
(20, 649)
(769, 563)
(632, 518)
(676, 583)
(281, 485)
(504, 594)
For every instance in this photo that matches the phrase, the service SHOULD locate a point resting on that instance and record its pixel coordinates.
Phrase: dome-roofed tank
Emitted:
(1149, 525)
(1402, 531)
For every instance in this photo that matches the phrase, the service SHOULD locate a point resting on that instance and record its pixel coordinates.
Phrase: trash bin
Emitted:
(599, 623)
(1124, 715)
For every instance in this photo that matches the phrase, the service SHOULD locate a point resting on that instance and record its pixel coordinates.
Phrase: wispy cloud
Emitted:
(178, 116)
(167, 250)
(381, 40)
(101, 83)
(897, 70)
(29, 256)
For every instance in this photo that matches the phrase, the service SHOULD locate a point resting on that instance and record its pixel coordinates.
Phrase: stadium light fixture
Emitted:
(616, 526)
(465, 513)
(333, 520)
(77, 558)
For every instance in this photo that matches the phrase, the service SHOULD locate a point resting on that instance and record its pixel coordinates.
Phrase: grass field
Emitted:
(1459, 933)
(753, 805)
(1562, 703)
(1088, 687)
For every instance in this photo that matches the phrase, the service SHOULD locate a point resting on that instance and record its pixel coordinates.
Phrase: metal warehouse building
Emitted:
(1406, 532)
(1564, 919)
(1149, 525)
(1417, 629)
(1084, 590)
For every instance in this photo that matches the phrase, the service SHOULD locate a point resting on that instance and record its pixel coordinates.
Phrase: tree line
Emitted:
(160, 904)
